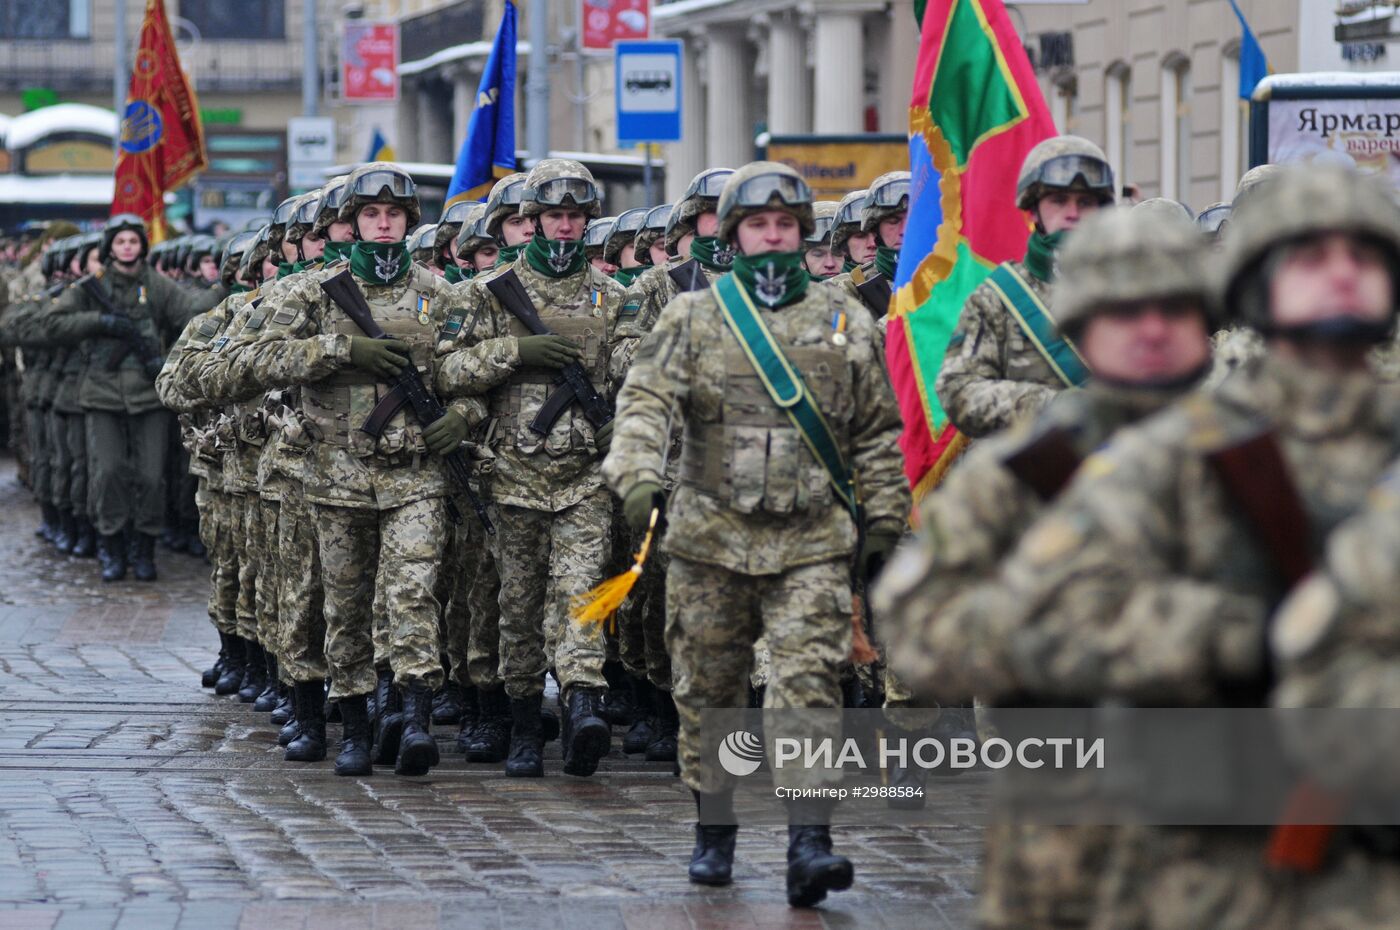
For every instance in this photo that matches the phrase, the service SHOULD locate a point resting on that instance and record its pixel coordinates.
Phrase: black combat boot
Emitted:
(448, 703)
(388, 719)
(471, 716)
(813, 869)
(212, 674)
(282, 714)
(143, 557)
(490, 741)
(290, 727)
(310, 742)
(85, 545)
(354, 745)
(48, 522)
(67, 533)
(712, 861)
(617, 707)
(526, 759)
(111, 554)
(418, 751)
(586, 734)
(254, 673)
(643, 730)
(663, 746)
(267, 700)
(235, 664)
(195, 544)
(178, 541)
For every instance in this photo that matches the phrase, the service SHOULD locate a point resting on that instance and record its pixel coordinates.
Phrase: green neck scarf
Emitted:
(508, 253)
(285, 269)
(237, 288)
(555, 258)
(712, 252)
(335, 251)
(380, 262)
(818, 278)
(773, 279)
(1040, 255)
(848, 266)
(625, 276)
(453, 274)
(886, 260)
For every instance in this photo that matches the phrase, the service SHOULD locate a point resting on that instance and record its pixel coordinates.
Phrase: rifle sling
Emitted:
(689, 276)
(875, 291)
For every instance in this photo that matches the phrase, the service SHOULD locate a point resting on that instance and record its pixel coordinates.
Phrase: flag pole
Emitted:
(310, 69)
(121, 76)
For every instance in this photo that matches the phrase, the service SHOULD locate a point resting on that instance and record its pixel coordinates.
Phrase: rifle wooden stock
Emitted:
(1045, 464)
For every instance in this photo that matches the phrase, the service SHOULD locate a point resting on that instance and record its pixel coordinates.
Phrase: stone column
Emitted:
(463, 102)
(406, 122)
(840, 72)
(686, 159)
(729, 141)
(789, 91)
(901, 52)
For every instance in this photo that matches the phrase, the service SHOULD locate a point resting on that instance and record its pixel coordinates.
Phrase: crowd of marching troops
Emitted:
(414, 450)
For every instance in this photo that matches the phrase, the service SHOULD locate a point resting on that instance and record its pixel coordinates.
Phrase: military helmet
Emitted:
(764, 185)
(200, 246)
(623, 232)
(421, 243)
(888, 196)
(250, 268)
(119, 223)
(1164, 207)
(472, 235)
(559, 182)
(1063, 163)
(504, 201)
(847, 220)
(1253, 179)
(380, 182)
(305, 212)
(281, 217)
(453, 216)
(1213, 218)
(653, 227)
(1302, 203)
(595, 236)
(823, 219)
(238, 245)
(701, 196)
(180, 252)
(332, 196)
(1121, 256)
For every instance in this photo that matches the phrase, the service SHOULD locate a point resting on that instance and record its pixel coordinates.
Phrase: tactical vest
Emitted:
(514, 404)
(337, 407)
(754, 459)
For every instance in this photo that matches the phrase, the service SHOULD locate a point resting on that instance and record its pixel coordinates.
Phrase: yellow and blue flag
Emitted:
(379, 148)
(1254, 67)
(488, 152)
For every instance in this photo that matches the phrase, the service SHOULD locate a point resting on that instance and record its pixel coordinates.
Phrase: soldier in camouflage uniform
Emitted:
(1146, 583)
(822, 261)
(618, 248)
(998, 369)
(883, 215)
(552, 541)
(421, 249)
(761, 536)
(847, 239)
(125, 423)
(457, 215)
(650, 244)
(595, 237)
(1131, 294)
(378, 503)
(504, 222)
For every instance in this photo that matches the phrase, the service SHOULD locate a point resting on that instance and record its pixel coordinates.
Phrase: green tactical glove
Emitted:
(383, 358)
(602, 437)
(445, 433)
(548, 351)
(638, 504)
(879, 546)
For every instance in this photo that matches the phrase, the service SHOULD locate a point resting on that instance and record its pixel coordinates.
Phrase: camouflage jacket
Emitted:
(1145, 582)
(941, 645)
(478, 355)
(847, 281)
(752, 497)
(646, 298)
(304, 342)
(178, 391)
(993, 374)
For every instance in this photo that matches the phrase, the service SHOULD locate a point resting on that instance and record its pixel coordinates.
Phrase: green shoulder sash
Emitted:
(1031, 314)
(785, 385)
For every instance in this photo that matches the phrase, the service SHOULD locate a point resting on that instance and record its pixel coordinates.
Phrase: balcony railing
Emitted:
(76, 66)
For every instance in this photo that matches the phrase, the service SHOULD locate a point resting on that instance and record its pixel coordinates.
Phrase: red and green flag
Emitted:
(976, 112)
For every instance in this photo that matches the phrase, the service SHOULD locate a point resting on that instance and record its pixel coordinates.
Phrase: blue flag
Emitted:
(1254, 67)
(379, 148)
(488, 152)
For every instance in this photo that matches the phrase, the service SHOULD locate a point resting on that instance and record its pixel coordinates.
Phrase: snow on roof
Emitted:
(1324, 79)
(456, 53)
(28, 128)
(442, 171)
(59, 188)
(4, 125)
(682, 7)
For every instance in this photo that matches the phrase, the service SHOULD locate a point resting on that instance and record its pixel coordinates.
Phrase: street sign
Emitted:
(310, 150)
(608, 21)
(648, 89)
(369, 62)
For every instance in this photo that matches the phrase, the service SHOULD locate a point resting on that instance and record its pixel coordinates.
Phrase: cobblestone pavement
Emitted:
(132, 798)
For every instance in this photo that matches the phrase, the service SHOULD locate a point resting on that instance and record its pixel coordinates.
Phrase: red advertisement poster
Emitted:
(609, 21)
(369, 62)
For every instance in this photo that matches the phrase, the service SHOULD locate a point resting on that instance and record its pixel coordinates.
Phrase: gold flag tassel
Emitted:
(601, 604)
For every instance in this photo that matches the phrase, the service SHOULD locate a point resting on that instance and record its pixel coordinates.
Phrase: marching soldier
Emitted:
(822, 261)
(595, 236)
(847, 239)
(650, 244)
(883, 214)
(1004, 361)
(618, 249)
(762, 532)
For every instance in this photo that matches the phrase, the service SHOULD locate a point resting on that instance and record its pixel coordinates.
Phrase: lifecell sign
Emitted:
(369, 62)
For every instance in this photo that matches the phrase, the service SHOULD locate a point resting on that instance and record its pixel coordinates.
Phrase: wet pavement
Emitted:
(132, 798)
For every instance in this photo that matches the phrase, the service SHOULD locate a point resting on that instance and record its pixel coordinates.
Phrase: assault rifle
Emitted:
(148, 352)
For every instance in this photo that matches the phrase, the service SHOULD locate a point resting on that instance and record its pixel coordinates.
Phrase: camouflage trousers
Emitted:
(40, 461)
(641, 623)
(545, 560)
(75, 437)
(266, 594)
(1041, 876)
(248, 540)
(218, 521)
(471, 620)
(302, 620)
(381, 560)
(713, 619)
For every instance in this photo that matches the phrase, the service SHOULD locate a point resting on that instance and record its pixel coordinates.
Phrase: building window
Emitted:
(250, 19)
(44, 19)
(1064, 103)
(1118, 125)
(1175, 147)
(1234, 125)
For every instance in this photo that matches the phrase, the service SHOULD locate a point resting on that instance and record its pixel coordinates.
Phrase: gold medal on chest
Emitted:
(423, 318)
